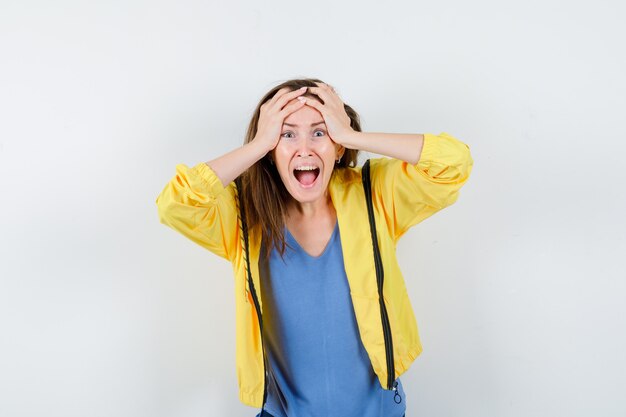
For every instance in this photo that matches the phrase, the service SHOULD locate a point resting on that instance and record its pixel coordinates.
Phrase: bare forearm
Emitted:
(229, 166)
(403, 146)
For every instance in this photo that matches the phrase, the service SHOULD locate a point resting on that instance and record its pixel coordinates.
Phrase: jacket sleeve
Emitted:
(197, 205)
(411, 193)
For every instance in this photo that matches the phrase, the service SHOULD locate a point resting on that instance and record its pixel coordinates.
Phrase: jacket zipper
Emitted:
(380, 276)
(244, 230)
(258, 312)
(385, 322)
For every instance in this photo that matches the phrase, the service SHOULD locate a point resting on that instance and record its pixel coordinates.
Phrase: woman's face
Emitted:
(305, 155)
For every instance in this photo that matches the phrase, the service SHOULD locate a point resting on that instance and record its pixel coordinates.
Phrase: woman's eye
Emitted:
(287, 135)
(319, 131)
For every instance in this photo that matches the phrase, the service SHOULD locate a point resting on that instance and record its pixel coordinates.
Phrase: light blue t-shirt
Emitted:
(317, 363)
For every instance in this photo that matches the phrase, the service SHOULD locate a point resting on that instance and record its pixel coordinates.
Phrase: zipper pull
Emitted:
(396, 397)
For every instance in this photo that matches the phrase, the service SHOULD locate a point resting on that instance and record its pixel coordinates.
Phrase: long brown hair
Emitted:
(262, 188)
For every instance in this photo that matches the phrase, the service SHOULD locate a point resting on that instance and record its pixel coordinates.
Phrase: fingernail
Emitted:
(302, 88)
(302, 99)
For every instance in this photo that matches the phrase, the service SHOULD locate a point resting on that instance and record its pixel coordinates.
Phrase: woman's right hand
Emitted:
(272, 114)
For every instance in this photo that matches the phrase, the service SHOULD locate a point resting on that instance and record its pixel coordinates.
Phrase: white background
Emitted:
(518, 288)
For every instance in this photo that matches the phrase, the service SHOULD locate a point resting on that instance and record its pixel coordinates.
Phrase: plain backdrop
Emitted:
(518, 288)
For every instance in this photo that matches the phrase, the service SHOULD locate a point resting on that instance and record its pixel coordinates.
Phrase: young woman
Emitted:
(323, 327)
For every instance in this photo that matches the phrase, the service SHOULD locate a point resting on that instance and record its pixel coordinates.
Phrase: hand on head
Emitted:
(323, 98)
(332, 110)
(272, 114)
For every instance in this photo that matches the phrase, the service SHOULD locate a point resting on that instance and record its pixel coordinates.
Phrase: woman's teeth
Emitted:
(306, 174)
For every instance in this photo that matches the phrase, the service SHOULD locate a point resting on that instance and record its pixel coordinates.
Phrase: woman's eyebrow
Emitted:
(312, 124)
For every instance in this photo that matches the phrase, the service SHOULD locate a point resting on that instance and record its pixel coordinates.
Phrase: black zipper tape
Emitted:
(244, 230)
(380, 276)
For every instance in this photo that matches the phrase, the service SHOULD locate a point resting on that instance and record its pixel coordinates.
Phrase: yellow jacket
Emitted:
(196, 204)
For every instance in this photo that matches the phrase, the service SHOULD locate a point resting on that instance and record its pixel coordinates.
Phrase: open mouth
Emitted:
(306, 175)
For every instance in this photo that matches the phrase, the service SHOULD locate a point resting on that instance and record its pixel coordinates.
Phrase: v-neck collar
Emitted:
(299, 247)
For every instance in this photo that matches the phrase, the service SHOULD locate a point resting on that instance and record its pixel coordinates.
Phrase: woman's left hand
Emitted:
(335, 116)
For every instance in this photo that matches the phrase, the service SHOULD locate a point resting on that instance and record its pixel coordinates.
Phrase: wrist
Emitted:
(352, 139)
(258, 148)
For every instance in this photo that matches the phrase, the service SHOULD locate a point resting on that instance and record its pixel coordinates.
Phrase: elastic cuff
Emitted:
(206, 174)
(429, 149)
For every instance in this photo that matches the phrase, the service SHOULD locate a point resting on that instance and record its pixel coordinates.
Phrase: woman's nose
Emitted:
(304, 147)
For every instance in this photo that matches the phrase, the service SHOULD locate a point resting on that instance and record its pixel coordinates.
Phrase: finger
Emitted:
(279, 94)
(327, 87)
(324, 93)
(285, 98)
(271, 103)
(313, 103)
(291, 107)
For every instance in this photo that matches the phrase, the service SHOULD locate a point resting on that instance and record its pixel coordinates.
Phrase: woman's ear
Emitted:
(340, 151)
